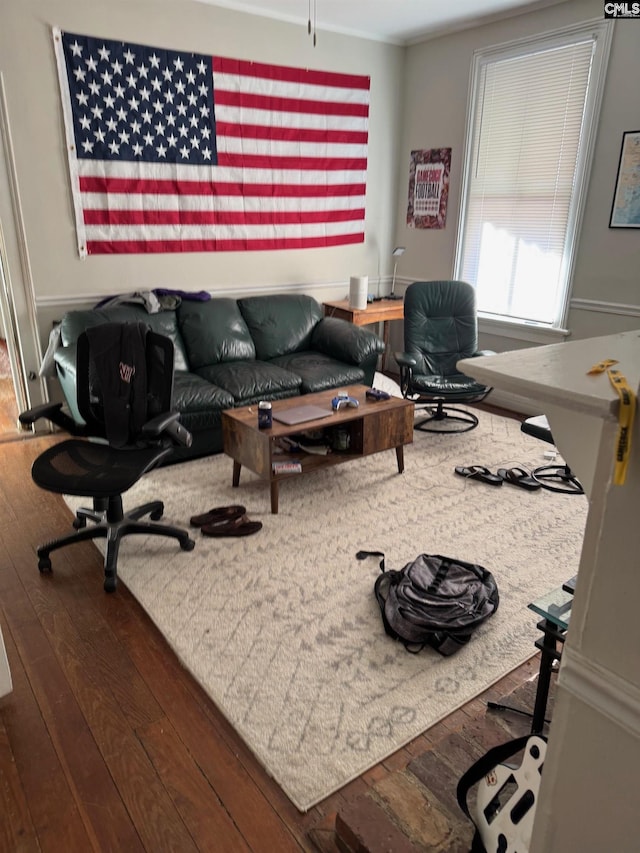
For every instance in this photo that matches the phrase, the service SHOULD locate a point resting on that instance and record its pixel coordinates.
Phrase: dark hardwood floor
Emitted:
(106, 742)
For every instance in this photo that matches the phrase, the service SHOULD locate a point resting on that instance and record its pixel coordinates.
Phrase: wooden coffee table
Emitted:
(372, 427)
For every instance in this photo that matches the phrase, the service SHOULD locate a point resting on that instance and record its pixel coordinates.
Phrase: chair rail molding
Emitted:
(601, 307)
(236, 291)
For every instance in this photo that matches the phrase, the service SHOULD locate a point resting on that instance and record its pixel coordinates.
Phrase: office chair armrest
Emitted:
(52, 412)
(168, 424)
(404, 359)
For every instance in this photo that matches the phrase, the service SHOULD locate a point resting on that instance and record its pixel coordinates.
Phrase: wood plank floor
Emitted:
(106, 742)
(8, 406)
(8, 410)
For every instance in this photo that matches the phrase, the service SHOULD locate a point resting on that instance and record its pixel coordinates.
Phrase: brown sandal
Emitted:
(238, 527)
(217, 515)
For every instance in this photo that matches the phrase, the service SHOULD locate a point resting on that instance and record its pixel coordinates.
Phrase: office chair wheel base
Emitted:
(460, 421)
(110, 584)
(188, 545)
(79, 523)
(44, 565)
(156, 515)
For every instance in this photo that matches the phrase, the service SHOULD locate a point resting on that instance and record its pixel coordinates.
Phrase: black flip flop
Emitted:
(518, 477)
(240, 526)
(217, 515)
(479, 472)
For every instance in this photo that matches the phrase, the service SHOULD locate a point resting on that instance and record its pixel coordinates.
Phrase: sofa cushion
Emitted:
(199, 402)
(281, 323)
(250, 381)
(192, 393)
(165, 323)
(214, 332)
(319, 372)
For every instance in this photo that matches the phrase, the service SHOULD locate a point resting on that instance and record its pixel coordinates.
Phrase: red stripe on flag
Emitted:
(218, 217)
(130, 247)
(318, 164)
(289, 75)
(131, 186)
(288, 105)
(292, 134)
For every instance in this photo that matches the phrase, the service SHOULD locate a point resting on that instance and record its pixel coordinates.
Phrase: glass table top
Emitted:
(554, 606)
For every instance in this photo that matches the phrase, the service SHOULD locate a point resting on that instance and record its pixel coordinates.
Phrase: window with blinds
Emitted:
(532, 118)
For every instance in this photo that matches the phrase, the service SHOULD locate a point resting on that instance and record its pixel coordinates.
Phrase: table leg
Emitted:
(400, 457)
(274, 497)
(385, 338)
(235, 480)
(548, 655)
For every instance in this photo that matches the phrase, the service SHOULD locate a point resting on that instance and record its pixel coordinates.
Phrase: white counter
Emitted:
(590, 797)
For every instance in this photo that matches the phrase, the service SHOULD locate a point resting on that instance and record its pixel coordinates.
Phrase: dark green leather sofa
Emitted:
(231, 353)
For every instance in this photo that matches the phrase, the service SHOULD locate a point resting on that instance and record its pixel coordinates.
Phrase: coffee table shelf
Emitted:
(371, 428)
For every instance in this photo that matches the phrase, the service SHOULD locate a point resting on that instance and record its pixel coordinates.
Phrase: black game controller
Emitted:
(376, 394)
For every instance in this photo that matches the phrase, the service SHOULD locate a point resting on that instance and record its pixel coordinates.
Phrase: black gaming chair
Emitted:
(440, 328)
(124, 382)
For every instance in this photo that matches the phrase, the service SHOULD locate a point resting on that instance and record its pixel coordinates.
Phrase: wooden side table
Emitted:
(381, 311)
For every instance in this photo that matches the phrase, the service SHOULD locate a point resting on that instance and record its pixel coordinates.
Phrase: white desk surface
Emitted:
(598, 684)
(557, 373)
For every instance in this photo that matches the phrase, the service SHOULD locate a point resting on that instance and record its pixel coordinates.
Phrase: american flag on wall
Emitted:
(171, 151)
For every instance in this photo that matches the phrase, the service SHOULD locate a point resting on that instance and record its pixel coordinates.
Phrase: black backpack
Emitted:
(434, 601)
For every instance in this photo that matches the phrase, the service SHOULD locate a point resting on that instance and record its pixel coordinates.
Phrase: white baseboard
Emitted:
(513, 402)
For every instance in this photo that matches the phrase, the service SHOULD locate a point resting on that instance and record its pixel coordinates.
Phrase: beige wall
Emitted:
(436, 90)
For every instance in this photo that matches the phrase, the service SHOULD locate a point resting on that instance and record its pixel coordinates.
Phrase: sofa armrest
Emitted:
(65, 362)
(345, 342)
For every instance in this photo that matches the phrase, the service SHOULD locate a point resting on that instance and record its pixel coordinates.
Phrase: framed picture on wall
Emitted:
(428, 188)
(625, 210)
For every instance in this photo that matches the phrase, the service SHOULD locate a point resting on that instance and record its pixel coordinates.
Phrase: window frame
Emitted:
(601, 32)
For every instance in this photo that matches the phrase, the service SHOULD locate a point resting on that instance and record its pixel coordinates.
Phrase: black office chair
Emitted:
(555, 478)
(440, 328)
(124, 382)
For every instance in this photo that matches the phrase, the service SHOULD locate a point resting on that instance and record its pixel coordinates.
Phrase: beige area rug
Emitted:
(282, 629)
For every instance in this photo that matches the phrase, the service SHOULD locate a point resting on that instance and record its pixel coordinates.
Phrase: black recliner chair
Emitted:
(440, 328)
(124, 388)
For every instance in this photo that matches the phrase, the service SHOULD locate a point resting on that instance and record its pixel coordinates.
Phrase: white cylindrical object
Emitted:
(358, 288)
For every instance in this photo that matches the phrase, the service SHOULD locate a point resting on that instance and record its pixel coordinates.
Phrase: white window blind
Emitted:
(531, 109)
